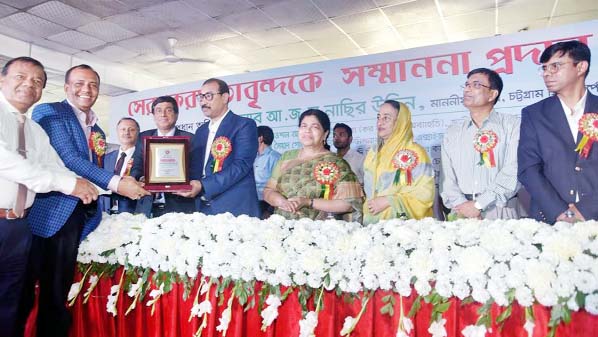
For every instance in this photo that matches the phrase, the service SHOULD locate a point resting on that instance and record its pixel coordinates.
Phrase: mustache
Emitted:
(204, 106)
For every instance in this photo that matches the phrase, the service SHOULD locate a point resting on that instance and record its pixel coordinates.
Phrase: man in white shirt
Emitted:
(121, 162)
(342, 139)
(21, 85)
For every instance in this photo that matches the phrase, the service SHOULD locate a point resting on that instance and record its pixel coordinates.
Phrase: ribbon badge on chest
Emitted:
(484, 142)
(404, 161)
(327, 174)
(588, 126)
(221, 148)
(97, 144)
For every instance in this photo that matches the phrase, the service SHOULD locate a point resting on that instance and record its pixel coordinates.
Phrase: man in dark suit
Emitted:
(59, 221)
(222, 156)
(562, 182)
(120, 162)
(166, 112)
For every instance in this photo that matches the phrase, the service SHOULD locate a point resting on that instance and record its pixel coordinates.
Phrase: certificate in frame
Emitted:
(166, 163)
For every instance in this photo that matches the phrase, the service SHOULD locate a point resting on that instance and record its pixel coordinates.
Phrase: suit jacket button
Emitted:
(577, 168)
(572, 192)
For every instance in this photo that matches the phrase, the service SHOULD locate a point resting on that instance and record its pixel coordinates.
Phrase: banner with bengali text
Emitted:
(427, 79)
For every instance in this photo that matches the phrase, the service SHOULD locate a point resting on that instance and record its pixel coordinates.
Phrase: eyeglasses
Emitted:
(552, 68)
(208, 96)
(475, 85)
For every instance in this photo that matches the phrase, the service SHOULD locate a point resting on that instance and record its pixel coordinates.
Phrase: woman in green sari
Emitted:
(313, 182)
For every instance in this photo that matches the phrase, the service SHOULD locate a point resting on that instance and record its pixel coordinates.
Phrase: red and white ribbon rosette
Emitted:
(588, 126)
(404, 161)
(221, 148)
(327, 174)
(484, 142)
(97, 144)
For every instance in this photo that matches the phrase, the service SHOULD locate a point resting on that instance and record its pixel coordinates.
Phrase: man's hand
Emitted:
(195, 189)
(85, 191)
(130, 188)
(566, 215)
(468, 210)
(377, 205)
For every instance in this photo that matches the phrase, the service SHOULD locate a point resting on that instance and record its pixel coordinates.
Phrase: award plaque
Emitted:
(166, 163)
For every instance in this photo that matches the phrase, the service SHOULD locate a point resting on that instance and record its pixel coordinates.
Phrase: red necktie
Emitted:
(120, 163)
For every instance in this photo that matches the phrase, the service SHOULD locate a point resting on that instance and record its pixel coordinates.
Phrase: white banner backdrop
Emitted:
(351, 90)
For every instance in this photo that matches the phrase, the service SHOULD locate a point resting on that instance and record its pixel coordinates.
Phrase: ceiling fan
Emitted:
(171, 57)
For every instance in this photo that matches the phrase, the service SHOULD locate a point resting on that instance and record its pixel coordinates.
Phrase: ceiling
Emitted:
(131, 36)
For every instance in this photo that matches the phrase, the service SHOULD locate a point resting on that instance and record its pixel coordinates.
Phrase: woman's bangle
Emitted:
(311, 203)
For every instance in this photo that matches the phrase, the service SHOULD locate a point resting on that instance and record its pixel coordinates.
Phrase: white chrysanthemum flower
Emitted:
(474, 331)
(347, 325)
(308, 324)
(74, 291)
(224, 320)
(270, 313)
(591, 305)
(437, 328)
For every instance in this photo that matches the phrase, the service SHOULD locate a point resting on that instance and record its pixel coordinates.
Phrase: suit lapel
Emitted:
(202, 135)
(556, 117)
(225, 129)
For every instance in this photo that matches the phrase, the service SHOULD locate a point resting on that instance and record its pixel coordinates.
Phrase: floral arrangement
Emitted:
(97, 144)
(477, 261)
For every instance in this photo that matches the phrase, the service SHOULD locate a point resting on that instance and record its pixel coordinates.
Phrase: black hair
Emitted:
(493, 78)
(167, 99)
(576, 50)
(129, 119)
(322, 118)
(344, 126)
(80, 66)
(266, 133)
(25, 59)
(222, 86)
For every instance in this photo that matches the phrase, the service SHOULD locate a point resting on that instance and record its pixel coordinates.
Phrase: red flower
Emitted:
(595, 123)
(326, 171)
(404, 158)
(484, 139)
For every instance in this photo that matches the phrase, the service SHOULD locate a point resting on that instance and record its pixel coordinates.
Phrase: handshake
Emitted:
(127, 187)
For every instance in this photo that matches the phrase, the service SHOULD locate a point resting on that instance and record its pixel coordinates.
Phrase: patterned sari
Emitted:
(401, 171)
(293, 177)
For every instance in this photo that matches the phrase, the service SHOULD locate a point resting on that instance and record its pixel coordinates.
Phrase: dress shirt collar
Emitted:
(215, 124)
(88, 119)
(266, 152)
(490, 119)
(579, 107)
(128, 152)
(167, 134)
(8, 106)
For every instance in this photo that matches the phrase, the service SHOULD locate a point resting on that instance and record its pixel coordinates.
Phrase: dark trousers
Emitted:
(266, 209)
(52, 262)
(15, 240)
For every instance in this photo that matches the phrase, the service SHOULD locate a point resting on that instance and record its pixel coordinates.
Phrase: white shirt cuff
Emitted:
(113, 184)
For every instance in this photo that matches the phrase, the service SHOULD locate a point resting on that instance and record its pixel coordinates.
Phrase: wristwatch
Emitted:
(569, 214)
(478, 206)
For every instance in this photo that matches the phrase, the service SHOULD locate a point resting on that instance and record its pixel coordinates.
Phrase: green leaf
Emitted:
(415, 307)
(505, 314)
(442, 307)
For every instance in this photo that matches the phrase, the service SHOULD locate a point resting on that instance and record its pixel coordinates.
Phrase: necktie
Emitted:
(120, 163)
(22, 190)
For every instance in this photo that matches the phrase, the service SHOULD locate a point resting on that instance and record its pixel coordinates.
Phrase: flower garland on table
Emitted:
(486, 262)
